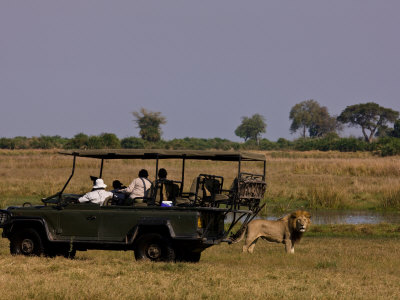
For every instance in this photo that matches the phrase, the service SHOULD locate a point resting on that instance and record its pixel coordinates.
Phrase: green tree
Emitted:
(149, 123)
(47, 142)
(323, 124)
(132, 143)
(310, 115)
(385, 130)
(110, 141)
(369, 116)
(251, 128)
(79, 141)
(396, 129)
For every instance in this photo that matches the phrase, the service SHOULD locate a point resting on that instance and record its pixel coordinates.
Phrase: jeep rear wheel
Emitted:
(154, 247)
(26, 242)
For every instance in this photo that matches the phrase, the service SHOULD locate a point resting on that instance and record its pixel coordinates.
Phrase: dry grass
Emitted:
(361, 267)
(31, 175)
(322, 268)
(333, 180)
(309, 179)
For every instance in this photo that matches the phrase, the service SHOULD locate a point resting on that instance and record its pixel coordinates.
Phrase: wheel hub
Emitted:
(154, 251)
(27, 246)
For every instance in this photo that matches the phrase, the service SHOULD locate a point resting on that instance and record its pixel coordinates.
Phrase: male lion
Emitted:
(287, 230)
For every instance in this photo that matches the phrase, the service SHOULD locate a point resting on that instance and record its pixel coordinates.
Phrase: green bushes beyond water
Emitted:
(385, 146)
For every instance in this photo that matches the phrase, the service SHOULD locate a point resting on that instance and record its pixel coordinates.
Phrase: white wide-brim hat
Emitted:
(99, 184)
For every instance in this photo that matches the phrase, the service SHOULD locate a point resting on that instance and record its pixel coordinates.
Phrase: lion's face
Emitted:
(301, 220)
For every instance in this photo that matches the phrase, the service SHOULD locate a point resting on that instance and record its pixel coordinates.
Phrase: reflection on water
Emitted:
(350, 217)
(345, 217)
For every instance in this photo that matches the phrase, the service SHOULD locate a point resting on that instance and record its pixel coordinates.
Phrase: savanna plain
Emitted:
(331, 261)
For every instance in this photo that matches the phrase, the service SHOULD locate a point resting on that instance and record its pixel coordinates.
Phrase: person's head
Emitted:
(117, 184)
(143, 173)
(162, 173)
(99, 184)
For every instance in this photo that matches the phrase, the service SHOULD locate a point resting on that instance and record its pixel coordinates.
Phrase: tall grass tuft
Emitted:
(326, 197)
(391, 199)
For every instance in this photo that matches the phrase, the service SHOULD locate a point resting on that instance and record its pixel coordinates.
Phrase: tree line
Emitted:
(318, 131)
(314, 121)
(384, 146)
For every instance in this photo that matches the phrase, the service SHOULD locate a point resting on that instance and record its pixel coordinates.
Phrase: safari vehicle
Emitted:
(196, 219)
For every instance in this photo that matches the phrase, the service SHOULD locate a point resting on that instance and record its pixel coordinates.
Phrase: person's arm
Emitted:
(84, 198)
(130, 188)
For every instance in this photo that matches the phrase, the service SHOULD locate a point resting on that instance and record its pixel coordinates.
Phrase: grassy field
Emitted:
(353, 263)
(331, 262)
(313, 180)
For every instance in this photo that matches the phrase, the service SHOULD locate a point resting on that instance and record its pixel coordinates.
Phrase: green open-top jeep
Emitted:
(196, 219)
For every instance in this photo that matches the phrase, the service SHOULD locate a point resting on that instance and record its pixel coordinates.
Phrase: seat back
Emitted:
(165, 189)
(204, 189)
(250, 189)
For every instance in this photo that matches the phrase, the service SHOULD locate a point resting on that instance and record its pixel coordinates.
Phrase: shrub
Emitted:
(79, 141)
(388, 146)
(47, 142)
(110, 141)
(132, 143)
(284, 144)
(267, 145)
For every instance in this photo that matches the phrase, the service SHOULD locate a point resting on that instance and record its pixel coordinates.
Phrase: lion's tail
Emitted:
(238, 236)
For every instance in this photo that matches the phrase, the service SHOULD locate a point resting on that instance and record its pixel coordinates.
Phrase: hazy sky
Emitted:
(84, 66)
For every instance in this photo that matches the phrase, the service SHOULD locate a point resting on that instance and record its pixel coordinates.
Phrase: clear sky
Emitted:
(84, 66)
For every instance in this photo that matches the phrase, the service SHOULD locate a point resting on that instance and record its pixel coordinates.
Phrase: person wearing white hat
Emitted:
(98, 195)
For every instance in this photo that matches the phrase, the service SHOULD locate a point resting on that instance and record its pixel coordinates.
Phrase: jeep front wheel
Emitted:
(154, 247)
(26, 242)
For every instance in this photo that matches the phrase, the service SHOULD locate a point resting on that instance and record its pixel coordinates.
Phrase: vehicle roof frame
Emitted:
(158, 154)
(166, 154)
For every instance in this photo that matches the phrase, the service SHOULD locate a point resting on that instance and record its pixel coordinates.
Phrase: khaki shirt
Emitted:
(136, 188)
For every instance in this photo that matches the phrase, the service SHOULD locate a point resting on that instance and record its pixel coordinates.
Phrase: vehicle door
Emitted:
(79, 221)
(118, 222)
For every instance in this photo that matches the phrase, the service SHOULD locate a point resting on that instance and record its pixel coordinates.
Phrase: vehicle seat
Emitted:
(250, 189)
(165, 190)
(206, 190)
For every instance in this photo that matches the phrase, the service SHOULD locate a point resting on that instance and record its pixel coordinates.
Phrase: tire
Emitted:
(154, 247)
(26, 242)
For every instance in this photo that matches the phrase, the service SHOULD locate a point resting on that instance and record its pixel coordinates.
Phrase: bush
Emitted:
(249, 145)
(384, 146)
(132, 143)
(110, 141)
(267, 145)
(19, 142)
(79, 141)
(284, 144)
(47, 142)
(388, 146)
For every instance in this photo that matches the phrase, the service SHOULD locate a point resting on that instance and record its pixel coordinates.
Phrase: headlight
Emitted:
(4, 217)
